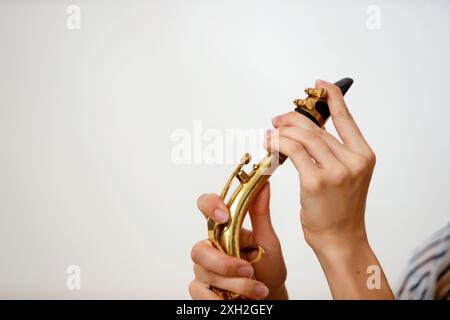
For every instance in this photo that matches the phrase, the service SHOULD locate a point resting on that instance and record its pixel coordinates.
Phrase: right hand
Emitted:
(214, 268)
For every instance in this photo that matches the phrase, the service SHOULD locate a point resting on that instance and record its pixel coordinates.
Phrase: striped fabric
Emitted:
(428, 274)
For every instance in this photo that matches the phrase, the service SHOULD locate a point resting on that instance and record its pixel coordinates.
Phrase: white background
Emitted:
(86, 117)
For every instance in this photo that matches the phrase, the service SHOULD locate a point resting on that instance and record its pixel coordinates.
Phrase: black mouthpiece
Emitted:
(322, 107)
(344, 85)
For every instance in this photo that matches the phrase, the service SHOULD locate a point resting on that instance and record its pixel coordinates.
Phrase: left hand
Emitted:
(266, 278)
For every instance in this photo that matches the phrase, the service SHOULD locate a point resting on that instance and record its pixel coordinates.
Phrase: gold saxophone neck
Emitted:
(225, 237)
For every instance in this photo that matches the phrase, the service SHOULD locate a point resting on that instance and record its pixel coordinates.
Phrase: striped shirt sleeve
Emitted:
(427, 276)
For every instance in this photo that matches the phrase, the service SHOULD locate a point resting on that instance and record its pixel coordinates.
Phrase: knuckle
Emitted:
(313, 138)
(194, 254)
(245, 286)
(283, 119)
(198, 271)
(196, 251)
(338, 176)
(359, 165)
(211, 278)
(279, 131)
(298, 151)
(228, 267)
(192, 288)
(289, 148)
(320, 132)
(362, 164)
(372, 158)
(312, 184)
(291, 116)
(305, 134)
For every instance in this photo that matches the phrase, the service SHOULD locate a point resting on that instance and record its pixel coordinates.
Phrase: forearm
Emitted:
(353, 272)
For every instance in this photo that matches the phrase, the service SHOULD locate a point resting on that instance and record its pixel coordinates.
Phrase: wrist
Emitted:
(337, 243)
(346, 267)
(343, 252)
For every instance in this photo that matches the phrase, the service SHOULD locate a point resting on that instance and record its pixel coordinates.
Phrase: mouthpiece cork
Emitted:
(315, 106)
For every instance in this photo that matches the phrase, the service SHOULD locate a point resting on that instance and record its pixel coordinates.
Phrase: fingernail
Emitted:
(261, 291)
(246, 272)
(220, 216)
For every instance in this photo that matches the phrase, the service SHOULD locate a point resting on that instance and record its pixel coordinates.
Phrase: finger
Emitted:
(353, 161)
(260, 213)
(204, 254)
(247, 244)
(250, 288)
(342, 119)
(212, 206)
(246, 238)
(342, 153)
(295, 151)
(201, 291)
(263, 231)
(313, 144)
(293, 119)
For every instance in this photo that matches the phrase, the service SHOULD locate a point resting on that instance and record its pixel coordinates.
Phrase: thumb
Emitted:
(264, 236)
(260, 216)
